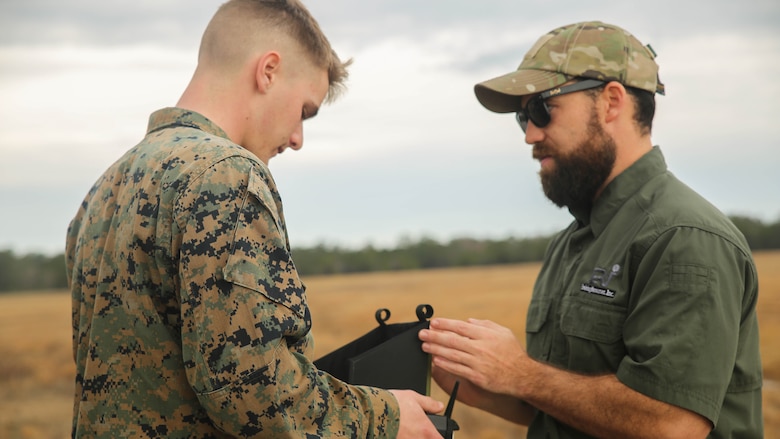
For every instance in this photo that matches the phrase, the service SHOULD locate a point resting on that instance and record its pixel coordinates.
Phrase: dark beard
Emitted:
(577, 176)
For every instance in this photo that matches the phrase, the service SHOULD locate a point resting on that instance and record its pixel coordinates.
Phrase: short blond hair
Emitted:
(248, 21)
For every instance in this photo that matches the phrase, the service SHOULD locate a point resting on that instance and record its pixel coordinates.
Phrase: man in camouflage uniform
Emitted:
(189, 318)
(642, 321)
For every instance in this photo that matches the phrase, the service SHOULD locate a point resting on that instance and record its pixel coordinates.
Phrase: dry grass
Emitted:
(36, 359)
(769, 324)
(36, 365)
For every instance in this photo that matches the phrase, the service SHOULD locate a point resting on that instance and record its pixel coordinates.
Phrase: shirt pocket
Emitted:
(538, 329)
(593, 333)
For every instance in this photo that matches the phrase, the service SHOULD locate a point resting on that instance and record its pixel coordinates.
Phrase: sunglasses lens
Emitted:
(522, 119)
(537, 112)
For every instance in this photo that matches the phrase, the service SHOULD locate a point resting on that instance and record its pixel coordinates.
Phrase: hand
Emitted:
(468, 393)
(482, 352)
(504, 406)
(414, 420)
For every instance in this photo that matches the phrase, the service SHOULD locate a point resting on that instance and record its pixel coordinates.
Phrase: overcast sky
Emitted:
(408, 151)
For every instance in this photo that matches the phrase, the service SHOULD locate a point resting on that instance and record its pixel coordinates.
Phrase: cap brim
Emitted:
(503, 94)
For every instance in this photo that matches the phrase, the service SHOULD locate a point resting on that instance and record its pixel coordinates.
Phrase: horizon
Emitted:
(407, 152)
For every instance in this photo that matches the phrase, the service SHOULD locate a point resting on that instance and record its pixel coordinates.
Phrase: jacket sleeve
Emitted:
(246, 322)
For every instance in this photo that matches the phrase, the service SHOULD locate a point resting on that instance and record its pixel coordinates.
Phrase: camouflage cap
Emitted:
(589, 49)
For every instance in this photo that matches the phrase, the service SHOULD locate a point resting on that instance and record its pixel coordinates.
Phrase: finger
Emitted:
(488, 327)
(452, 325)
(455, 368)
(457, 326)
(430, 405)
(446, 380)
(456, 355)
(484, 323)
(441, 338)
(448, 344)
(426, 403)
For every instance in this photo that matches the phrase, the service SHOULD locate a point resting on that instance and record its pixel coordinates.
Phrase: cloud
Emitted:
(408, 150)
(729, 76)
(85, 105)
(177, 22)
(91, 22)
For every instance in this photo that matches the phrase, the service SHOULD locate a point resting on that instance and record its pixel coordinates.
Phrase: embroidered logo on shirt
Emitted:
(599, 281)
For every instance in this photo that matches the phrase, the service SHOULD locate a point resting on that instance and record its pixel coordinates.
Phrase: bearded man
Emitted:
(642, 321)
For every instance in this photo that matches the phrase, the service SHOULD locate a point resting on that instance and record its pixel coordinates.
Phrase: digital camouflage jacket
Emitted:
(189, 318)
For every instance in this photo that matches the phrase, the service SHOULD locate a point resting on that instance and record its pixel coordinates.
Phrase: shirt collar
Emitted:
(623, 187)
(172, 117)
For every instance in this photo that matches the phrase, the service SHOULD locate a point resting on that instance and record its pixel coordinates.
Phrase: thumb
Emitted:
(426, 403)
(430, 405)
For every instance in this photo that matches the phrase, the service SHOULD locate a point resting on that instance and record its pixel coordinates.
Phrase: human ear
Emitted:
(267, 70)
(614, 96)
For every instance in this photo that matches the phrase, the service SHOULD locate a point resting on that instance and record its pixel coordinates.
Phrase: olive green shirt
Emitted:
(189, 318)
(657, 286)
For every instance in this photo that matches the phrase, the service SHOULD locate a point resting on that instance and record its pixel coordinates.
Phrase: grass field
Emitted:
(36, 364)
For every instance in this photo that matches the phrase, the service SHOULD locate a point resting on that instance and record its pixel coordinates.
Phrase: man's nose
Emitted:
(296, 138)
(533, 134)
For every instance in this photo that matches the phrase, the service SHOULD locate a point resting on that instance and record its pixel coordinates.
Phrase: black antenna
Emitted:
(444, 424)
(451, 403)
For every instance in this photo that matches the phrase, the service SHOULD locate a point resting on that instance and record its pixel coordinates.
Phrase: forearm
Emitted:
(490, 356)
(604, 407)
(252, 378)
(294, 401)
(507, 407)
(504, 406)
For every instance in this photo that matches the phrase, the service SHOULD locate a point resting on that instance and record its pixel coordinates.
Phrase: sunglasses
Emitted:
(536, 109)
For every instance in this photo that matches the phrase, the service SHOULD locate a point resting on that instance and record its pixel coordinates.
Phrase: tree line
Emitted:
(40, 272)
